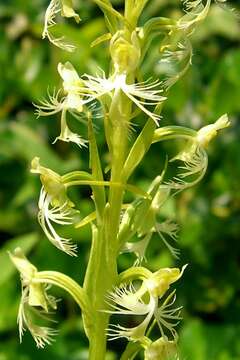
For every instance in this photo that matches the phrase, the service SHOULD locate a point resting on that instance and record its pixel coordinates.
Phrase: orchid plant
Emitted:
(119, 99)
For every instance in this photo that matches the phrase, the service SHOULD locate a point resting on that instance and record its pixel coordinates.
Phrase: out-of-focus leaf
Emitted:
(200, 341)
(9, 306)
(220, 22)
(20, 140)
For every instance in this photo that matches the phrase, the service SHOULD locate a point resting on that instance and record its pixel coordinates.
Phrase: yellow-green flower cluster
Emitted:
(147, 301)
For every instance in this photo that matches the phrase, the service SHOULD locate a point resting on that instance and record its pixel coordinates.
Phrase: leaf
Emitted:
(111, 15)
(139, 149)
(9, 300)
(100, 39)
(20, 140)
(95, 165)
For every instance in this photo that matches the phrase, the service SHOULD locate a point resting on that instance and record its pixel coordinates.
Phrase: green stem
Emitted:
(131, 351)
(102, 265)
(76, 291)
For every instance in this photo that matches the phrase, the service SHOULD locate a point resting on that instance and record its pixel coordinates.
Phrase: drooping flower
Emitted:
(195, 12)
(176, 58)
(194, 156)
(34, 296)
(54, 207)
(148, 209)
(66, 9)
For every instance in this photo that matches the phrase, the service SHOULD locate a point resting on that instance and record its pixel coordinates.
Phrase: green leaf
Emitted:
(111, 15)
(20, 140)
(139, 149)
(95, 165)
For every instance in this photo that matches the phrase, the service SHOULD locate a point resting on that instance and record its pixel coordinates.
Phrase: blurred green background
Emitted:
(208, 214)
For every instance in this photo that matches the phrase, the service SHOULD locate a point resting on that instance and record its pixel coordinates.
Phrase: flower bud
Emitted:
(161, 349)
(125, 54)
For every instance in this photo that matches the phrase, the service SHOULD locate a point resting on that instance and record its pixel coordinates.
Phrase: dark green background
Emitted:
(209, 214)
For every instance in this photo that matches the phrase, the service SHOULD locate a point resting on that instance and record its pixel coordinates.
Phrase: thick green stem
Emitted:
(102, 266)
(99, 279)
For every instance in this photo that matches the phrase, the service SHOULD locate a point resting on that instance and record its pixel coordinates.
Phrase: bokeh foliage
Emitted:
(208, 214)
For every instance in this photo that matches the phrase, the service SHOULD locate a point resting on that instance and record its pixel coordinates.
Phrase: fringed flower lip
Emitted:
(79, 92)
(54, 8)
(37, 305)
(68, 135)
(146, 301)
(141, 94)
(61, 215)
